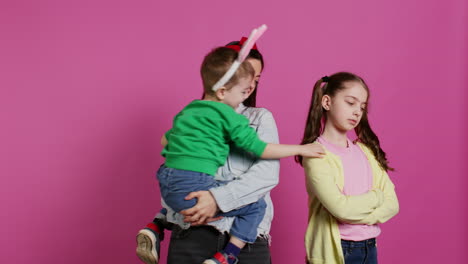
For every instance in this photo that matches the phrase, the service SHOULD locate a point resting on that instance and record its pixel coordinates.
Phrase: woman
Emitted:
(248, 180)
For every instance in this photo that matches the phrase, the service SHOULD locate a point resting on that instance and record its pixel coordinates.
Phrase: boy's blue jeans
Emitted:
(359, 252)
(176, 184)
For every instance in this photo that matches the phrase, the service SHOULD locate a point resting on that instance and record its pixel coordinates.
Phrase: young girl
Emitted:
(349, 190)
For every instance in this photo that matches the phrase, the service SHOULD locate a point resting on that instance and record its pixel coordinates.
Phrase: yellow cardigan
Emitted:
(327, 203)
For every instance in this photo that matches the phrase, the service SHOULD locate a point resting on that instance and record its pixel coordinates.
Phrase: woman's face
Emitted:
(257, 65)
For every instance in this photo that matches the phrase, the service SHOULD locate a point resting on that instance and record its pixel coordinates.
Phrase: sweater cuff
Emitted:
(259, 148)
(224, 198)
(371, 220)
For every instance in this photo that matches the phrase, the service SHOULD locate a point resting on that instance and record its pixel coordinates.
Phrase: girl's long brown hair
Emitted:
(316, 118)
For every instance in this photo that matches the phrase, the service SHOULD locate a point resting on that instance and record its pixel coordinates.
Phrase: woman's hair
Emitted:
(253, 54)
(217, 63)
(316, 118)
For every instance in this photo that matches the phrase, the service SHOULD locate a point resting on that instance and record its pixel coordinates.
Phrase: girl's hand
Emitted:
(204, 211)
(312, 151)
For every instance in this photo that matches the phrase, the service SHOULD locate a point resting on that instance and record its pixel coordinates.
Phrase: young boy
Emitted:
(198, 144)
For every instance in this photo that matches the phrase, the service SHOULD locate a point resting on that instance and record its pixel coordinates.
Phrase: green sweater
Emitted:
(201, 133)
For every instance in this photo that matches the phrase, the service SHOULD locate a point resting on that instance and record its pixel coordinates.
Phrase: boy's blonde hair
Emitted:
(217, 63)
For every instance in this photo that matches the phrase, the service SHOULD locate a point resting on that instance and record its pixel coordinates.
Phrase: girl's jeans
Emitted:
(176, 184)
(359, 252)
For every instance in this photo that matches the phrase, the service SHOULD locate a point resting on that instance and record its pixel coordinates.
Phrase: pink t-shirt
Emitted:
(357, 180)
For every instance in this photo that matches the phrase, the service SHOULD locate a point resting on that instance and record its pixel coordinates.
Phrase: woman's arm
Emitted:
(259, 179)
(320, 180)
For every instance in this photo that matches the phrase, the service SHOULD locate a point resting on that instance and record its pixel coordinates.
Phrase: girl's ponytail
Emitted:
(313, 127)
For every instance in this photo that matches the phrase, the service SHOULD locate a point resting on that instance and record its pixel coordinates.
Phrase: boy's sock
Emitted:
(228, 255)
(232, 251)
(156, 228)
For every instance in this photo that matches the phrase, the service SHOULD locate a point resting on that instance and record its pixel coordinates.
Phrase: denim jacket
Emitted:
(249, 178)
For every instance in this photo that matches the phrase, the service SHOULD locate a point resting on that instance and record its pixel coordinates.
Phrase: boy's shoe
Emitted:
(220, 258)
(148, 246)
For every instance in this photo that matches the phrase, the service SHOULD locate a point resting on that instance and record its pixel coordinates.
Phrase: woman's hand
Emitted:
(204, 211)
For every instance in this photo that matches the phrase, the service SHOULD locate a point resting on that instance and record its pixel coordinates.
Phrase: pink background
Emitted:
(88, 87)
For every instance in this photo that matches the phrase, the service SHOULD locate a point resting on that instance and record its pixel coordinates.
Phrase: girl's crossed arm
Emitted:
(321, 183)
(390, 206)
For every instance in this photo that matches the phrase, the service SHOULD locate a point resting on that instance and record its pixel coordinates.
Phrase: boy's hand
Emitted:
(312, 151)
(204, 211)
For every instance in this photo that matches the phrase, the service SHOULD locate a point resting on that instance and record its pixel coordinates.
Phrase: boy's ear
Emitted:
(220, 93)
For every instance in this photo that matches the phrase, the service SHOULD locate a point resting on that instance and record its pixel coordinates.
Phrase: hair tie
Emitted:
(237, 47)
(325, 79)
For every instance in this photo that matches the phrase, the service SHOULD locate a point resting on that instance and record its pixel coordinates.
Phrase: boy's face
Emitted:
(239, 92)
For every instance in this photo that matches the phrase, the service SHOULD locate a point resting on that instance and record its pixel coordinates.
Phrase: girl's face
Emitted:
(346, 107)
